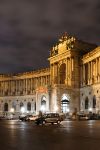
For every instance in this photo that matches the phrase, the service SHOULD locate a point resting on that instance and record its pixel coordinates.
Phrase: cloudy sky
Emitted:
(29, 28)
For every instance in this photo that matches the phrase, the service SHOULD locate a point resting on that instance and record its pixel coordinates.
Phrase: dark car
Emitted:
(83, 117)
(40, 120)
(24, 118)
(48, 118)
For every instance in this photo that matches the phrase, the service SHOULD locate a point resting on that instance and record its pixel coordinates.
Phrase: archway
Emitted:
(65, 103)
(14, 105)
(94, 101)
(6, 107)
(43, 103)
(21, 104)
(28, 106)
(22, 109)
(86, 103)
(62, 73)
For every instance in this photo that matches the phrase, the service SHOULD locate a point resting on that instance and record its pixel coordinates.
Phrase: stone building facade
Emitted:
(70, 84)
(90, 82)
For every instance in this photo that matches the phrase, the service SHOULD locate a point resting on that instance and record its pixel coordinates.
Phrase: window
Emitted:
(94, 101)
(21, 105)
(14, 105)
(62, 73)
(6, 107)
(29, 106)
(86, 103)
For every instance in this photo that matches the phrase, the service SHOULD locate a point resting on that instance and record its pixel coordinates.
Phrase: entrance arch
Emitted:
(28, 106)
(94, 101)
(65, 103)
(62, 73)
(6, 107)
(86, 103)
(14, 105)
(43, 103)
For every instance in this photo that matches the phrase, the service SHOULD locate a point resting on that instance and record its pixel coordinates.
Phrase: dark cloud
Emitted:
(29, 28)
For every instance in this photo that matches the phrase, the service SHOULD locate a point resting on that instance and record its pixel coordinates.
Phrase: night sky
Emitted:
(29, 29)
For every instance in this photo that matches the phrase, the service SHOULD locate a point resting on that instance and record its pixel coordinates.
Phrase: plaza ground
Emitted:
(69, 135)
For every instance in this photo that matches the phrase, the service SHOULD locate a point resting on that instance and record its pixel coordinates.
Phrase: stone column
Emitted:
(99, 69)
(10, 86)
(91, 72)
(96, 70)
(99, 66)
(66, 72)
(70, 67)
(88, 72)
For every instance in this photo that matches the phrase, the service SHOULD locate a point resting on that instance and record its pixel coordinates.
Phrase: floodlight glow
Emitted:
(22, 109)
(90, 109)
(67, 110)
(42, 108)
(12, 110)
(55, 108)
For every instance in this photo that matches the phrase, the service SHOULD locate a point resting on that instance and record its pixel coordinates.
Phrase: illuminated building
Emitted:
(71, 83)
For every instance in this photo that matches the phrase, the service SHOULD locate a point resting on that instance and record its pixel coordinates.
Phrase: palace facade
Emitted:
(71, 83)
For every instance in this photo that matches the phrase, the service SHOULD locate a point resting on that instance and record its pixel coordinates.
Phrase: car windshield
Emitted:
(51, 115)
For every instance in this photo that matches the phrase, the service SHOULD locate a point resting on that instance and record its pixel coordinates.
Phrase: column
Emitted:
(88, 72)
(83, 74)
(67, 71)
(91, 72)
(96, 70)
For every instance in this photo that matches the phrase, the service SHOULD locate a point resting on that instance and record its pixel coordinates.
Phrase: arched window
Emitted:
(86, 103)
(94, 101)
(43, 102)
(35, 106)
(14, 105)
(29, 106)
(62, 73)
(21, 105)
(6, 107)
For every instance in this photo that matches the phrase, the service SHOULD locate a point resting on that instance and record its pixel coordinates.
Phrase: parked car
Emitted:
(93, 116)
(22, 118)
(40, 120)
(83, 117)
(52, 118)
(28, 118)
(31, 118)
(48, 118)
